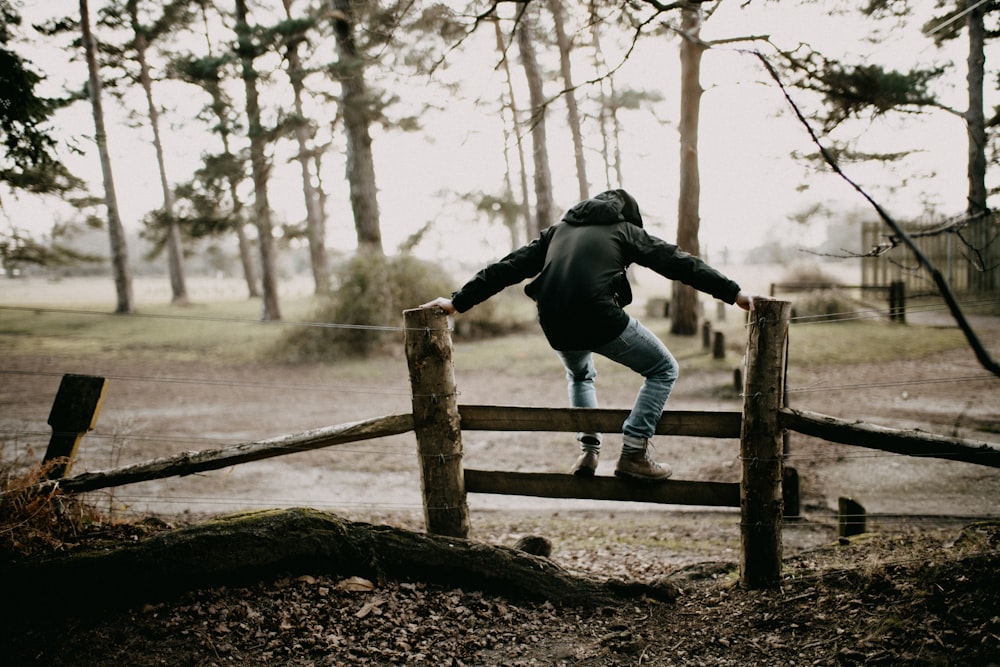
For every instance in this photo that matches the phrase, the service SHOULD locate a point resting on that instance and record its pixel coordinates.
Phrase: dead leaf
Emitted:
(355, 584)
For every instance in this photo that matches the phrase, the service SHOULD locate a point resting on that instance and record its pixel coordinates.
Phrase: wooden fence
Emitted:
(438, 422)
(967, 270)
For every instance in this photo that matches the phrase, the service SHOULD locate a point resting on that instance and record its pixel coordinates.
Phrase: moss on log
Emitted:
(247, 547)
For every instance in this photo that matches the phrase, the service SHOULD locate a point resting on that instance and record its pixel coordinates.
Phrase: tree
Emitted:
(294, 35)
(851, 90)
(512, 135)
(223, 172)
(572, 112)
(355, 105)
(119, 250)
(544, 205)
(247, 49)
(30, 161)
(142, 37)
(684, 305)
(983, 237)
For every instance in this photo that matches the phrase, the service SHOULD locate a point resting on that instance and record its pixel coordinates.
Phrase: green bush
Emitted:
(362, 315)
(826, 305)
(808, 274)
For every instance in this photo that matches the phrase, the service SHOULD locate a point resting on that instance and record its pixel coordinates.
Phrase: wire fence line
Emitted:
(405, 392)
(843, 316)
(206, 318)
(228, 383)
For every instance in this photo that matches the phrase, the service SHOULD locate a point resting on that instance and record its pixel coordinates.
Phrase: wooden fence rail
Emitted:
(680, 422)
(189, 463)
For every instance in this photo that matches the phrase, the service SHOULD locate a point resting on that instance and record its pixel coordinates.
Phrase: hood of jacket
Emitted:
(608, 208)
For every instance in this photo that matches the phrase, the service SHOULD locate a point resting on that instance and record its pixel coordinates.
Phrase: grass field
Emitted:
(74, 317)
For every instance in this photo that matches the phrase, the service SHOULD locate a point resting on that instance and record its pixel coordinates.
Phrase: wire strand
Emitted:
(232, 320)
(226, 383)
(894, 383)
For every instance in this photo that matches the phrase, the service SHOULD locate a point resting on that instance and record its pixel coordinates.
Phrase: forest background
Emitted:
(451, 102)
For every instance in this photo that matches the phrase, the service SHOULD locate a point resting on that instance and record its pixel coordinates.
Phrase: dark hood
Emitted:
(608, 208)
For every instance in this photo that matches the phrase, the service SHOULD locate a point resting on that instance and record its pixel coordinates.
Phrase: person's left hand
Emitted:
(442, 303)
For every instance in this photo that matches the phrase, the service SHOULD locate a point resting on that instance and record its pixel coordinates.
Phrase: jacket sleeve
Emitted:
(673, 263)
(521, 264)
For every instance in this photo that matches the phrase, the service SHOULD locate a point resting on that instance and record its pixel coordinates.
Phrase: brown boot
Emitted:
(586, 465)
(641, 466)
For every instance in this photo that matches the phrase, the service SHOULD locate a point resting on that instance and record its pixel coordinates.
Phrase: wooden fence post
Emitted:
(74, 412)
(436, 421)
(897, 301)
(851, 518)
(761, 446)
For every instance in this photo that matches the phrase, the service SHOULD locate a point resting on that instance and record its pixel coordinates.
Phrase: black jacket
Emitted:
(579, 269)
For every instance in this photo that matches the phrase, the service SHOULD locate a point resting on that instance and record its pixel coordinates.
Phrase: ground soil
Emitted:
(919, 588)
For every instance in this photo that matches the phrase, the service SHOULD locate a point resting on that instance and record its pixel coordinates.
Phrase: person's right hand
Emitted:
(745, 300)
(442, 303)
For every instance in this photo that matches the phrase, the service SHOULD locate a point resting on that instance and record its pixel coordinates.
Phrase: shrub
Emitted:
(361, 316)
(808, 274)
(825, 305)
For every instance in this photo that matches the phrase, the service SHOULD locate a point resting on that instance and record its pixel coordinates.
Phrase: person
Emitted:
(580, 289)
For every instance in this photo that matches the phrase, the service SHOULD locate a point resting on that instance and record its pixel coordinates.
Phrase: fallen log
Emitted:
(254, 546)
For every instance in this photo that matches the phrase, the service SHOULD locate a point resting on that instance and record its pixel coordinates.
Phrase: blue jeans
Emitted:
(637, 348)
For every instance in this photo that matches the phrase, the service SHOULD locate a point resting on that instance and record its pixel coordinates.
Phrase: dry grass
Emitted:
(34, 516)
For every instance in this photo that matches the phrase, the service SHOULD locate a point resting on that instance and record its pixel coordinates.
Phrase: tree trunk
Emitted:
(259, 167)
(175, 252)
(982, 277)
(516, 124)
(610, 126)
(246, 547)
(315, 220)
(355, 106)
(116, 232)
(573, 114)
(543, 175)
(246, 260)
(684, 304)
(220, 106)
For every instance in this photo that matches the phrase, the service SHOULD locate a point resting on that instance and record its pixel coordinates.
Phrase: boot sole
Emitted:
(585, 472)
(626, 475)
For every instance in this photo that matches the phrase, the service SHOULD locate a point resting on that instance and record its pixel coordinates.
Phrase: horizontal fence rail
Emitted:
(909, 443)
(189, 463)
(681, 422)
(557, 485)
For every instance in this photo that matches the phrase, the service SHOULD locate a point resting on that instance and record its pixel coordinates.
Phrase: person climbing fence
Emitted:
(581, 290)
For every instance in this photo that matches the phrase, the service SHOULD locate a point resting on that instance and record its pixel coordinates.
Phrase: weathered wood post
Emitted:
(436, 421)
(719, 345)
(851, 518)
(74, 413)
(897, 301)
(761, 446)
